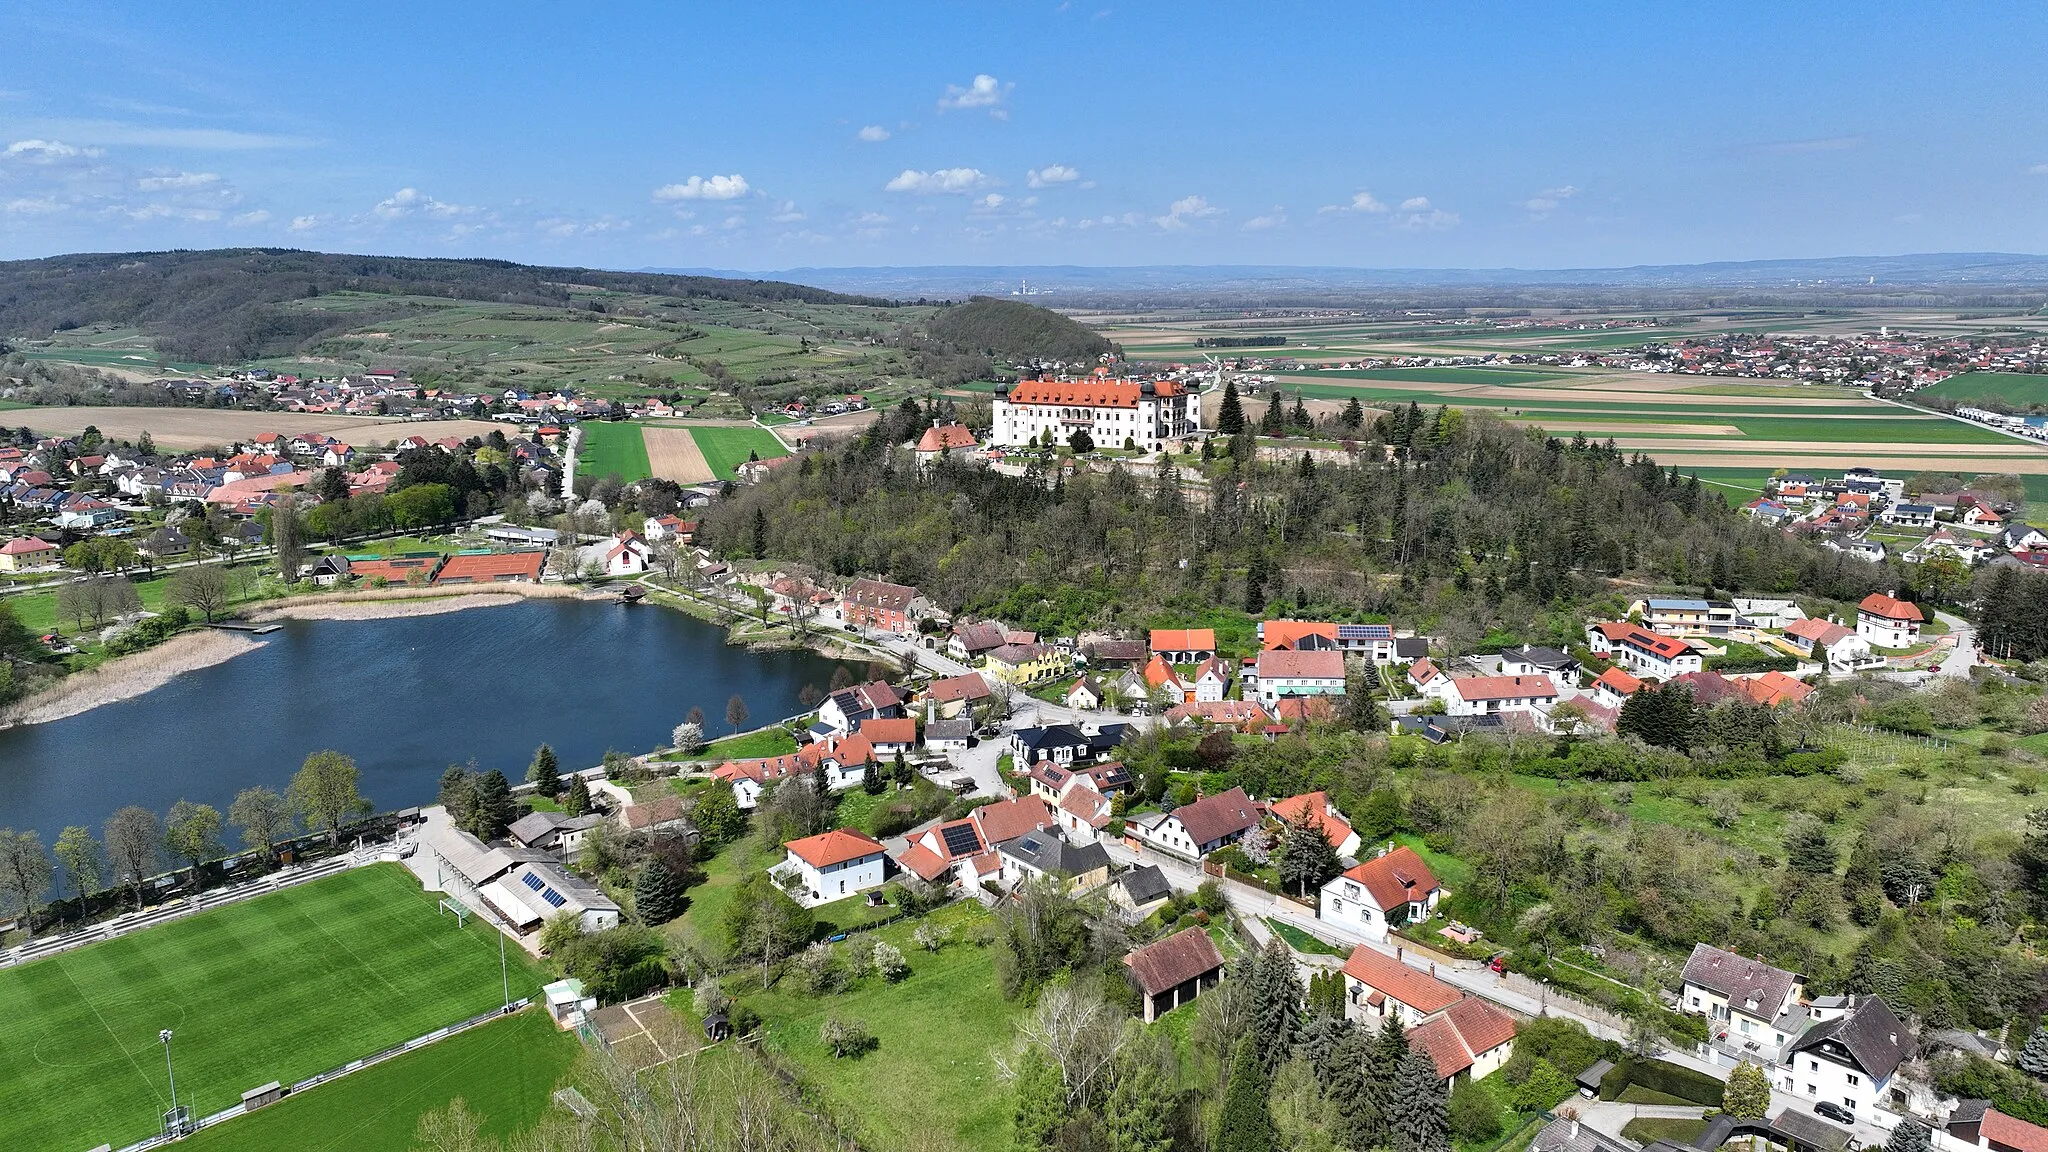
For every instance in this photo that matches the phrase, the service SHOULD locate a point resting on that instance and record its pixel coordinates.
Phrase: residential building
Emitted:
(1383, 893)
(973, 639)
(1144, 414)
(1976, 1122)
(1024, 663)
(1769, 613)
(1141, 891)
(835, 864)
(626, 554)
(1888, 622)
(26, 553)
(1491, 695)
(844, 760)
(555, 832)
(1192, 831)
(1468, 1041)
(1532, 660)
(1848, 1056)
(1378, 987)
(955, 695)
(1183, 645)
(1085, 694)
(663, 814)
(1315, 808)
(1612, 688)
(1174, 971)
(1909, 515)
(1212, 681)
(1645, 653)
(878, 604)
(1291, 672)
(963, 850)
(948, 738)
(842, 711)
(1066, 743)
(1082, 864)
(1846, 651)
(1672, 617)
(942, 440)
(889, 736)
(1751, 1007)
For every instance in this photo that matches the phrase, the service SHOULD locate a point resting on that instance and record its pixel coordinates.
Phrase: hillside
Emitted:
(1011, 330)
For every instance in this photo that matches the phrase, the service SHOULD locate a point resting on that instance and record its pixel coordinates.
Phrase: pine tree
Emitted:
(1299, 416)
(2033, 1059)
(1245, 1123)
(1275, 420)
(1355, 1102)
(1382, 1080)
(1322, 1033)
(1306, 859)
(1420, 1119)
(760, 535)
(1909, 1136)
(545, 773)
(1354, 415)
(1041, 1102)
(1276, 1004)
(578, 800)
(1230, 414)
(656, 895)
(495, 810)
(1139, 1109)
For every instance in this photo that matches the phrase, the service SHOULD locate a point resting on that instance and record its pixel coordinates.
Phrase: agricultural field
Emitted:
(2015, 390)
(275, 988)
(725, 449)
(612, 449)
(503, 1071)
(673, 454)
(215, 427)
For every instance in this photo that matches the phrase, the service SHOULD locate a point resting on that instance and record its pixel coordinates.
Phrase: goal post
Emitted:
(460, 910)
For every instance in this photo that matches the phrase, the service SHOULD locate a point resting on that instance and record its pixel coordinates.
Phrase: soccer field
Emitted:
(726, 448)
(276, 988)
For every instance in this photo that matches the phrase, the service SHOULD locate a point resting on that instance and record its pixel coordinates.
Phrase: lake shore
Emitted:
(390, 603)
(128, 676)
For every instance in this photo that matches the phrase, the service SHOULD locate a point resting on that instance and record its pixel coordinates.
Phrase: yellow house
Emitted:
(1024, 663)
(25, 553)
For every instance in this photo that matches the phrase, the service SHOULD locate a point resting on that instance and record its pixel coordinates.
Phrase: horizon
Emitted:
(1494, 138)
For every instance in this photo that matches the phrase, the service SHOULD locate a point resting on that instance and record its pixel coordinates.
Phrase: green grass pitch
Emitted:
(276, 988)
(610, 448)
(726, 448)
(2013, 388)
(503, 1071)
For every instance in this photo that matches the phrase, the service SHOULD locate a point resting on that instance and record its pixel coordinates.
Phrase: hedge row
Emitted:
(1659, 1076)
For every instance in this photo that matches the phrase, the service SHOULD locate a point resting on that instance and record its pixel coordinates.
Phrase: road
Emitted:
(1963, 656)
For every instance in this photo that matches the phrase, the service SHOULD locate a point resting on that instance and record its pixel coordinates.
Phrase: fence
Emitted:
(352, 1066)
(1870, 744)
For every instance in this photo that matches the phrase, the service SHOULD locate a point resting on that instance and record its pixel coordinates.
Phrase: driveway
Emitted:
(1963, 656)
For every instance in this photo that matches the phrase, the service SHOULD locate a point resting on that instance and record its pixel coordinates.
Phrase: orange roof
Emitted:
(1183, 639)
(1641, 637)
(1288, 633)
(889, 731)
(2012, 1132)
(1504, 688)
(941, 437)
(1396, 878)
(396, 570)
(1814, 628)
(1456, 1039)
(1009, 819)
(1315, 808)
(1774, 688)
(1157, 673)
(1287, 664)
(968, 687)
(493, 567)
(927, 864)
(1889, 608)
(1619, 681)
(1095, 392)
(835, 847)
(1418, 990)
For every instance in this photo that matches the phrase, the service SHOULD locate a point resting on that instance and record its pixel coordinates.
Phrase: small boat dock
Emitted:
(245, 626)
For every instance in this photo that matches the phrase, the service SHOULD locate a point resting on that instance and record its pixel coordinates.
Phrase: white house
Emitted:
(1147, 413)
(1494, 695)
(1195, 830)
(1378, 987)
(625, 554)
(1888, 622)
(834, 864)
(1532, 660)
(1644, 652)
(1283, 673)
(1846, 651)
(1467, 1041)
(1847, 1055)
(1612, 688)
(1385, 892)
(1212, 681)
(1751, 1007)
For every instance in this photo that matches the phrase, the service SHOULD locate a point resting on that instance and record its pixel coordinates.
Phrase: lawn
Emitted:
(929, 1082)
(503, 1071)
(1302, 942)
(1648, 1130)
(276, 988)
(727, 448)
(775, 741)
(2012, 389)
(612, 448)
(699, 925)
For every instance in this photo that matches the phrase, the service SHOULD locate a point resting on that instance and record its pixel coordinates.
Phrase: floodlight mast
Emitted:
(165, 1037)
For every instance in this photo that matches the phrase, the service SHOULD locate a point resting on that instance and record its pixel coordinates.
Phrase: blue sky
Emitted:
(764, 136)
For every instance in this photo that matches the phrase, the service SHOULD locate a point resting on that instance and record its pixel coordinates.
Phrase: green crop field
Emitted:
(503, 1071)
(612, 449)
(1508, 377)
(275, 988)
(727, 448)
(2013, 389)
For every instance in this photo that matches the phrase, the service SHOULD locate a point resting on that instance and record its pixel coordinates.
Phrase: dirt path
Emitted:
(672, 454)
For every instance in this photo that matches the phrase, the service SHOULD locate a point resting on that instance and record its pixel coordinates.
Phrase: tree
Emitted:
(2033, 1059)
(83, 860)
(1307, 859)
(736, 712)
(688, 737)
(263, 816)
(1748, 1095)
(578, 800)
(1139, 1109)
(1245, 1122)
(192, 831)
(846, 1037)
(763, 921)
(1474, 1113)
(25, 872)
(1420, 1118)
(1276, 1004)
(1081, 1033)
(1274, 422)
(202, 588)
(288, 537)
(1807, 848)
(495, 809)
(1230, 414)
(1909, 1136)
(452, 1129)
(717, 814)
(1041, 1101)
(545, 773)
(657, 897)
(1353, 416)
(134, 842)
(324, 791)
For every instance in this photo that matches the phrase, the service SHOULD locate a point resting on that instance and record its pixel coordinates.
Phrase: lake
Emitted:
(406, 697)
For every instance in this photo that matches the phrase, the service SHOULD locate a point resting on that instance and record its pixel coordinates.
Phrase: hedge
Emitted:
(1660, 1076)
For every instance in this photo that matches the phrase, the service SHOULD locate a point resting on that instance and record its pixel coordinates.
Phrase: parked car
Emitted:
(1835, 1112)
(1499, 964)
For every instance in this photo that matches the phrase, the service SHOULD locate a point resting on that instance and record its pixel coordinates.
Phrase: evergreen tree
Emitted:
(1276, 1004)
(1353, 416)
(1306, 858)
(545, 773)
(1041, 1101)
(657, 897)
(495, 809)
(1355, 1102)
(2033, 1059)
(760, 534)
(1230, 414)
(1299, 417)
(871, 781)
(458, 795)
(1420, 1120)
(1323, 1032)
(1245, 1122)
(1139, 1110)
(1275, 420)
(1382, 1079)
(578, 800)
(1909, 1136)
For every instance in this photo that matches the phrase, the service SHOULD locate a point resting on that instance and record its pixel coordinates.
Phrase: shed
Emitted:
(1808, 1133)
(717, 1026)
(262, 1094)
(1172, 971)
(1589, 1080)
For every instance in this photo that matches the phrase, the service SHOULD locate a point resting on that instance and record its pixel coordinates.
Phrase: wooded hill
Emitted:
(1012, 330)
(226, 306)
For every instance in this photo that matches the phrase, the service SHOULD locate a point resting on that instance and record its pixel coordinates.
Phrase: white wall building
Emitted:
(1147, 413)
(834, 865)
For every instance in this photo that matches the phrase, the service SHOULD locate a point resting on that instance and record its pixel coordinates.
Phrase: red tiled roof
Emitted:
(1395, 878)
(835, 847)
(1009, 819)
(1889, 608)
(1093, 392)
(940, 437)
(1314, 807)
(1183, 639)
(1504, 688)
(889, 731)
(1774, 688)
(26, 546)
(927, 864)
(1469, 1029)
(1813, 628)
(1287, 664)
(1214, 817)
(1418, 990)
(1288, 633)
(1621, 682)
(2012, 1132)
(880, 594)
(1167, 964)
(969, 687)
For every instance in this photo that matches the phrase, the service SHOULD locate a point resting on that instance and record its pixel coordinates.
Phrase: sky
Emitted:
(814, 134)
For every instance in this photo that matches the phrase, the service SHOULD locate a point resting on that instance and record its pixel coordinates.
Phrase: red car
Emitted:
(1499, 964)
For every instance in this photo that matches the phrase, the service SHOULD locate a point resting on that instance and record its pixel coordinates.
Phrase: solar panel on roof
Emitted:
(1029, 844)
(553, 897)
(960, 840)
(532, 881)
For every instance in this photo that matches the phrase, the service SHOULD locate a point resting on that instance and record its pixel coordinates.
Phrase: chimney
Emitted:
(1575, 1128)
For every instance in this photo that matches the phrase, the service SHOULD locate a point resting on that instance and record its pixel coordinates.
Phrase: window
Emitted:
(1854, 1080)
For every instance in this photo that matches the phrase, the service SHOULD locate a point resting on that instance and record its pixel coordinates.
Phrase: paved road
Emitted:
(1963, 656)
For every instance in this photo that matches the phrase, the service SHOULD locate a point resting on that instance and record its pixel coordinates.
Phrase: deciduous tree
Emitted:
(324, 790)
(83, 860)
(25, 872)
(134, 842)
(263, 816)
(192, 832)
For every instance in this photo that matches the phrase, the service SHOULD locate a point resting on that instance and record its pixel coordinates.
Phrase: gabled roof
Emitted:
(1183, 639)
(1049, 853)
(1814, 628)
(941, 437)
(1009, 819)
(1870, 1033)
(1288, 664)
(1456, 1039)
(970, 687)
(835, 847)
(1749, 985)
(1167, 964)
(1381, 972)
(1144, 885)
(980, 636)
(1773, 688)
(1889, 608)
(1288, 633)
(1395, 878)
(2012, 1132)
(1215, 817)
(1505, 688)
(1314, 808)
(1619, 681)
(880, 731)
(880, 594)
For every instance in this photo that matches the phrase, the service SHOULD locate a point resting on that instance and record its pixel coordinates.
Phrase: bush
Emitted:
(848, 1037)
(1475, 1113)
(1659, 1076)
(1543, 1088)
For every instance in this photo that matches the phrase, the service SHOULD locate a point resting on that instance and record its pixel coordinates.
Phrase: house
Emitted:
(1378, 987)
(1888, 622)
(1672, 617)
(1982, 516)
(1644, 652)
(1909, 515)
(956, 694)
(1141, 891)
(1848, 1056)
(1468, 1040)
(1944, 543)
(1612, 688)
(878, 604)
(1569, 1135)
(942, 440)
(656, 529)
(1769, 613)
(843, 759)
(661, 814)
(1192, 831)
(834, 864)
(626, 555)
(1288, 672)
(1170, 972)
(890, 735)
(492, 568)
(1491, 695)
(1159, 677)
(843, 710)
(328, 571)
(964, 850)
(1391, 889)
(1065, 743)
(1083, 865)
(1052, 781)
(1750, 1006)
(1296, 635)
(27, 552)
(1315, 808)
(1531, 660)
(1243, 715)
(974, 639)
(1115, 653)
(1977, 1122)
(1846, 651)
(1773, 688)
(2022, 538)
(539, 890)
(1425, 677)
(1024, 663)
(1183, 645)
(1212, 681)
(554, 832)
(1085, 694)
(948, 738)
(1084, 814)
(1143, 413)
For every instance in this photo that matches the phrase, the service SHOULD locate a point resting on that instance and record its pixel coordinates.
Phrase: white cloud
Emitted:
(169, 211)
(1415, 204)
(177, 180)
(259, 216)
(960, 180)
(991, 201)
(873, 134)
(787, 213)
(1363, 202)
(413, 202)
(47, 150)
(1417, 214)
(151, 136)
(1184, 210)
(304, 223)
(871, 219)
(1549, 200)
(25, 206)
(732, 222)
(698, 188)
(1268, 221)
(2038, 170)
(1052, 174)
(984, 91)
